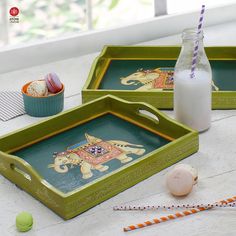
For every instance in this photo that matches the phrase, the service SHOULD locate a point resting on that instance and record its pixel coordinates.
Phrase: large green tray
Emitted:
(139, 141)
(119, 61)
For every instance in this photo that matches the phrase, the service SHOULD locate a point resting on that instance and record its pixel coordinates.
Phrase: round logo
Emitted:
(14, 11)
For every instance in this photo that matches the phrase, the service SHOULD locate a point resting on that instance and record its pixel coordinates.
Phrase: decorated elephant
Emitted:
(158, 79)
(93, 153)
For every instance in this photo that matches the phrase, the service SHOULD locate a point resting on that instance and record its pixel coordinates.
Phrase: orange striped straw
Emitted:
(175, 215)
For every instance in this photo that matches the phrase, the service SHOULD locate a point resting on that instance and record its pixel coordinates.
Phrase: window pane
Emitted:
(179, 6)
(107, 13)
(43, 19)
(40, 19)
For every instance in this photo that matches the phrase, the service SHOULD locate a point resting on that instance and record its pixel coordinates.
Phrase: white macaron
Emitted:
(37, 88)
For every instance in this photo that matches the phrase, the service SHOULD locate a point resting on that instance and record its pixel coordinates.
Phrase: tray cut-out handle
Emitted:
(149, 112)
(23, 174)
(20, 171)
(149, 115)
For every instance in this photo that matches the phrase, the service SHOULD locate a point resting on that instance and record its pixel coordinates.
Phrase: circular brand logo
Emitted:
(14, 11)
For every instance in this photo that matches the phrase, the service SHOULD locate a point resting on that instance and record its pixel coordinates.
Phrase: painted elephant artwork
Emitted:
(158, 79)
(93, 153)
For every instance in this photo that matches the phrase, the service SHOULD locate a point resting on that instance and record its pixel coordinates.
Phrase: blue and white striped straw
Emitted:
(195, 53)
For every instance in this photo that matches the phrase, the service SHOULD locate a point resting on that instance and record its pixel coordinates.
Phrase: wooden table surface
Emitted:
(215, 161)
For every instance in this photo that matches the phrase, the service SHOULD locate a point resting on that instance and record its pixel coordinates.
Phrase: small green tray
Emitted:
(84, 156)
(116, 62)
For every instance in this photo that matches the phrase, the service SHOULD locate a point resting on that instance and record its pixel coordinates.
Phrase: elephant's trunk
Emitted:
(140, 152)
(61, 168)
(125, 81)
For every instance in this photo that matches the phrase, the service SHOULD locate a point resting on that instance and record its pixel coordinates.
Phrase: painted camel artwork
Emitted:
(93, 153)
(159, 79)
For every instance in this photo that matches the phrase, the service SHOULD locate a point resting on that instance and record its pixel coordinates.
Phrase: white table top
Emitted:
(215, 162)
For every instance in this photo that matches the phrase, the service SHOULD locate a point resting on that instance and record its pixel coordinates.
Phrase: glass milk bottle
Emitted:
(192, 96)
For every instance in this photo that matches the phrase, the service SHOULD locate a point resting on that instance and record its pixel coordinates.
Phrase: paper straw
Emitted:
(170, 207)
(195, 53)
(175, 215)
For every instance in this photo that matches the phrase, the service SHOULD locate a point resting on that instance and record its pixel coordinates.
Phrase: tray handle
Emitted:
(149, 115)
(19, 169)
(150, 112)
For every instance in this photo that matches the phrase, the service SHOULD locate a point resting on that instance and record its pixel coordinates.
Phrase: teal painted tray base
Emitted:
(223, 73)
(40, 155)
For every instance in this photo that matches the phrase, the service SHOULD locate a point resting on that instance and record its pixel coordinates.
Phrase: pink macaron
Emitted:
(53, 83)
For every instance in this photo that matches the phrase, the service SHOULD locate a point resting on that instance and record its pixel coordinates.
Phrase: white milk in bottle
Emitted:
(192, 96)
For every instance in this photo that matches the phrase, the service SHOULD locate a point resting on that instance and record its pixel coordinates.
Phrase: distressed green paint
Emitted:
(123, 60)
(80, 199)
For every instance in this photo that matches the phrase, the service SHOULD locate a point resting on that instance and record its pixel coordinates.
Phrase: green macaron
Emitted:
(24, 221)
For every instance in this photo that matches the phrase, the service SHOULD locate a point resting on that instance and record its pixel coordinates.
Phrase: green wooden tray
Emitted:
(77, 159)
(112, 70)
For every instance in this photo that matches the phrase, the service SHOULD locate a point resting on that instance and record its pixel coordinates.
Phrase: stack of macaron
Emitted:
(44, 97)
(50, 85)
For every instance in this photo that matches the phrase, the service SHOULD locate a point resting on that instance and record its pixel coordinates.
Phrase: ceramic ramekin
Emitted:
(43, 106)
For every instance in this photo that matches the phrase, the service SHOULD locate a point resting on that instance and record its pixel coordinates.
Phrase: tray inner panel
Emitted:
(100, 146)
(223, 71)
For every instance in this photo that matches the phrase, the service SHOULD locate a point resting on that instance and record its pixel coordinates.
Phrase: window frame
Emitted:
(160, 7)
